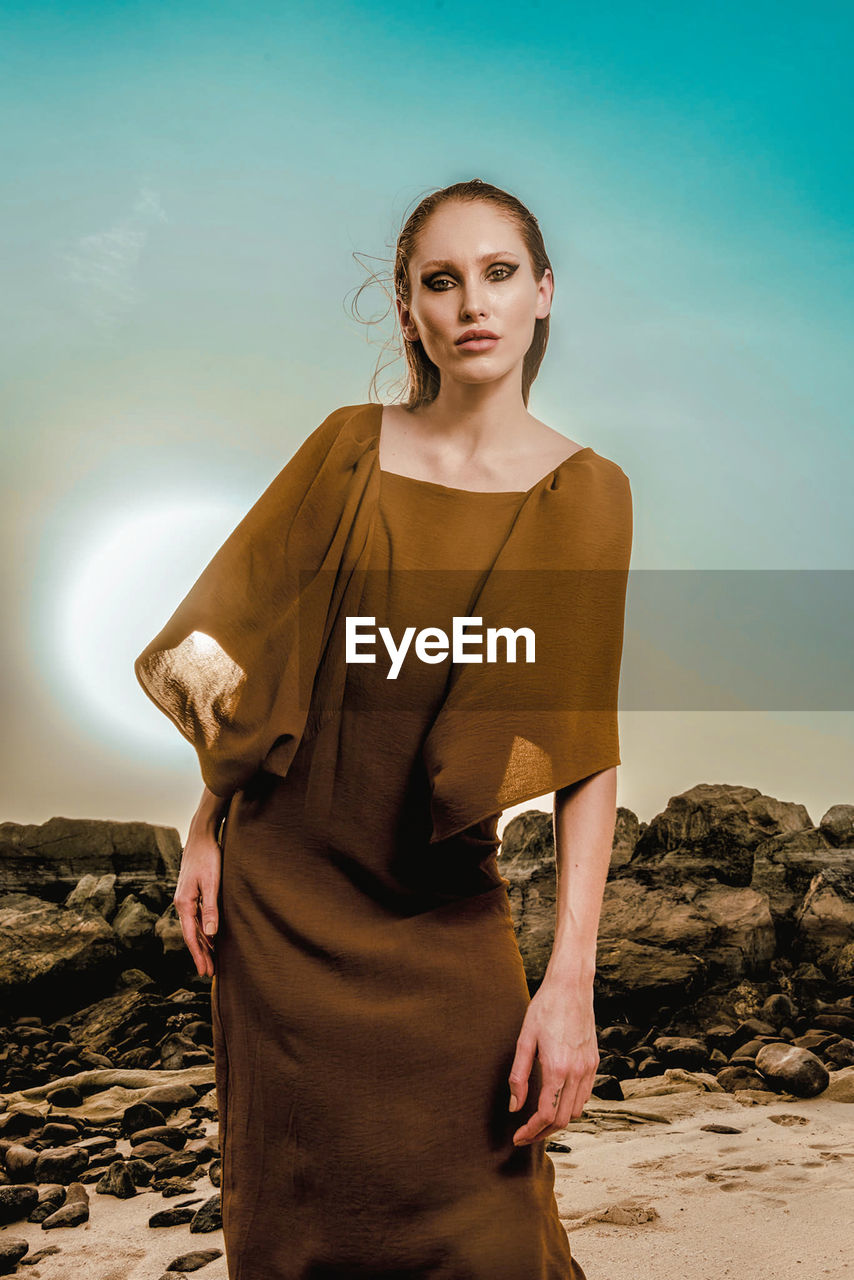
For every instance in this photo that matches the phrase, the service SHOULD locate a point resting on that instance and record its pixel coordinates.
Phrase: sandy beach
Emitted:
(645, 1187)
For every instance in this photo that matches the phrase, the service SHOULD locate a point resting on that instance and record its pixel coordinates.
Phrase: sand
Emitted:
(644, 1191)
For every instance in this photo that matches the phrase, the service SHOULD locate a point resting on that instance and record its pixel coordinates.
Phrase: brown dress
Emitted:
(369, 988)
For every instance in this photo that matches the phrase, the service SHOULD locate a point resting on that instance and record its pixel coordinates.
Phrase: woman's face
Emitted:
(471, 270)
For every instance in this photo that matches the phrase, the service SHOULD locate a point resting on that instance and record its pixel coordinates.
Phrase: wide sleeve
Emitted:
(226, 667)
(510, 732)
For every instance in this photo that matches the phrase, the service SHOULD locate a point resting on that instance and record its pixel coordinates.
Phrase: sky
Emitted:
(192, 195)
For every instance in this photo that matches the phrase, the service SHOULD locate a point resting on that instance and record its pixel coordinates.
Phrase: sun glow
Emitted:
(118, 591)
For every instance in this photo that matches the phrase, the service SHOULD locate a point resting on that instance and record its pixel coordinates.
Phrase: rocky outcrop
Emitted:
(49, 860)
(64, 941)
(722, 885)
(46, 948)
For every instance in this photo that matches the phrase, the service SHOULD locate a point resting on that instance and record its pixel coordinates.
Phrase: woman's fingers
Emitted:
(196, 899)
(561, 1099)
(547, 1108)
(210, 915)
(186, 904)
(205, 944)
(521, 1070)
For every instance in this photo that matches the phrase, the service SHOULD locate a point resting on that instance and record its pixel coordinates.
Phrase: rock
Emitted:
(825, 919)
(12, 1249)
(173, 1186)
(52, 857)
(152, 1152)
(51, 1196)
(627, 831)
(645, 978)
(673, 1080)
(169, 933)
(117, 1181)
(134, 979)
(838, 825)
(662, 938)
(608, 1088)
(178, 1050)
(173, 1217)
(841, 1086)
(175, 1163)
(778, 1010)
(734, 1078)
(169, 1097)
(730, 929)
(20, 1161)
(60, 1164)
(784, 867)
(164, 1134)
(844, 965)
(96, 892)
(20, 1120)
(59, 1135)
(140, 1116)
(793, 1070)
(65, 1096)
(681, 1051)
(45, 950)
(711, 832)
(193, 1261)
(140, 1170)
(74, 1212)
(17, 1202)
(209, 1217)
(133, 924)
(840, 1053)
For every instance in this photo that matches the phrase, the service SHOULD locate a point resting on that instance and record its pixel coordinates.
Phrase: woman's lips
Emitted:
(477, 344)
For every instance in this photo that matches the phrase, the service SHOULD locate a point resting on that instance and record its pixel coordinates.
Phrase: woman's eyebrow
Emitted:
(450, 266)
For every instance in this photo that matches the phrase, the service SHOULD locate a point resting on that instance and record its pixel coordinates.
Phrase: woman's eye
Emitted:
(438, 280)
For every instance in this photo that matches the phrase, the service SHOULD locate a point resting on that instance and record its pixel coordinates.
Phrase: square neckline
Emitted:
(491, 493)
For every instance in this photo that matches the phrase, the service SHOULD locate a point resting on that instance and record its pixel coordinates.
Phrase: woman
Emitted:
(386, 1084)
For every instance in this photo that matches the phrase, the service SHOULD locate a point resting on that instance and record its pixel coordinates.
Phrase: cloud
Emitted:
(103, 266)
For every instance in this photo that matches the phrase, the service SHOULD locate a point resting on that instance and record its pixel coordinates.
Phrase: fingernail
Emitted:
(210, 927)
(513, 1103)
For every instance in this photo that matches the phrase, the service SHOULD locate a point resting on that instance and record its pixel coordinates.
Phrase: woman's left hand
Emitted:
(559, 1027)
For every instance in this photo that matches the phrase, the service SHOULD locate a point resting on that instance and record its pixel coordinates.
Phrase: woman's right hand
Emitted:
(197, 890)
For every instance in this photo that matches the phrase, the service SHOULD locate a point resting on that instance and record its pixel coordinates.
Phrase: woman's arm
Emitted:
(559, 1024)
(198, 882)
(585, 816)
(209, 815)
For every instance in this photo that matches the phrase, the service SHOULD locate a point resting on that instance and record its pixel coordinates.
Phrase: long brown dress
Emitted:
(369, 988)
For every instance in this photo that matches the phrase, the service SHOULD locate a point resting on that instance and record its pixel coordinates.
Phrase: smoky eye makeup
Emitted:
(509, 268)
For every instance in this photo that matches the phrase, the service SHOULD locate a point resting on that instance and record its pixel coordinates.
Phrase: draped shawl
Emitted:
(234, 667)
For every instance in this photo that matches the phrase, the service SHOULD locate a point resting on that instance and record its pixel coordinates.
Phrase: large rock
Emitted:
(49, 859)
(785, 867)
(712, 832)
(133, 924)
(731, 929)
(46, 950)
(96, 892)
(825, 920)
(643, 979)
(660, 939)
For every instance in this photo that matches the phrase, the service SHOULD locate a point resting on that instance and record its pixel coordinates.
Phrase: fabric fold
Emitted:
(236, 665)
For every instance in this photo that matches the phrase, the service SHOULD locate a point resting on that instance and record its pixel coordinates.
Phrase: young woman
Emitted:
(386, 1083)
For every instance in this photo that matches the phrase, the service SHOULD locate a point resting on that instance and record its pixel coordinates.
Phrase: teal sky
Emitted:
(184, 190)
